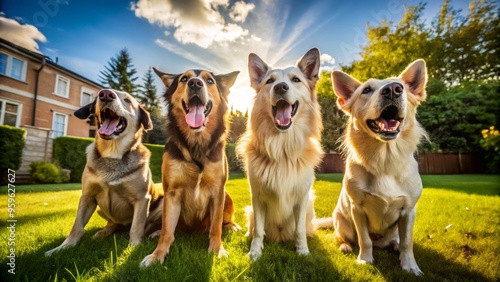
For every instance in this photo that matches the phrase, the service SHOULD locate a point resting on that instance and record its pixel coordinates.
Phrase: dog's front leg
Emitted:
(300, 213)
(216, 216)
(139, 220)
(259, 217)
(364, 240)
(171, 213)
(86, 208)
(405, 225)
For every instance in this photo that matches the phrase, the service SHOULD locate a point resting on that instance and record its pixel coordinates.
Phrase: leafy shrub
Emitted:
(70, 153)
(42, 172)
(155, 161)
(11, 146)
(491, 143)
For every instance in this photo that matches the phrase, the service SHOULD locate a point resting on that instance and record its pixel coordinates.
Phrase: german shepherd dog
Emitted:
(381, 184)
(281, 148)
(195, 168)
(117, 177)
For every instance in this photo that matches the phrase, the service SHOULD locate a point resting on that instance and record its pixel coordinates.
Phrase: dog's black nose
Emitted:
(195, 84)
(281, 88)
(107, 95)
(392, 90)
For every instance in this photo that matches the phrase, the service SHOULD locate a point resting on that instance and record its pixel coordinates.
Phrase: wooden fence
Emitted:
(428, 163)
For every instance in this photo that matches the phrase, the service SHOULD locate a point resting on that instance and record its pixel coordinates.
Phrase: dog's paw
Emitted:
(154, 234)
(414, 270)
(254, 254)
(303, 252)
(394, 245)
(102, 233)
(134, 242)
(150, 259)
(222, 253)
(50, 252)
(345, 248)
(364, 259)
(233, 226)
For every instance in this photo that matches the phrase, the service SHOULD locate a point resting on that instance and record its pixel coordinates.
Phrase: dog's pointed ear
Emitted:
(415, 76)
(257, 69)
(309, 64)
(225, 81)
(85, 111)
(167, 78)
(145, 118)
(344, 86)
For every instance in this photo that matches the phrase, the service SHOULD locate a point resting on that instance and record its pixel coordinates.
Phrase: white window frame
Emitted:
(88, 91)
(65, 95)
(19, 111)
(65, 132)
(8, 67)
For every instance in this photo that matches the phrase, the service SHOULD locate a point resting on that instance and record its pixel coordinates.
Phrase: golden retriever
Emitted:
(381, 185)
(281, 149)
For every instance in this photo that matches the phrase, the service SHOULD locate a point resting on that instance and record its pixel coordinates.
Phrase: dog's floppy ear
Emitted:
(225, 81)
(415, 76)
(343, 85)
(85, 111)
(145, 119)
(257, 69)
(309, 64)
(167, 78)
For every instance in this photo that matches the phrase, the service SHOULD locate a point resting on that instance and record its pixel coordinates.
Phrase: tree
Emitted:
(147, 94)
(333, 117)
(120, 73)
(238, 124)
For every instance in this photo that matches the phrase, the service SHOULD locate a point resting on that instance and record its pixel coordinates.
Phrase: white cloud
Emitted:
(240, 11)
(199, 22)
(327, 59)
(23, 35)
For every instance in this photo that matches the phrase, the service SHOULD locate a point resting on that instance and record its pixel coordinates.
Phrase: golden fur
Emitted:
(381, 184)
(280, 161)
(117, 177)
(194, 168)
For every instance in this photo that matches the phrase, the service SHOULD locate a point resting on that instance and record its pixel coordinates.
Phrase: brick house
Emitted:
(41, 96)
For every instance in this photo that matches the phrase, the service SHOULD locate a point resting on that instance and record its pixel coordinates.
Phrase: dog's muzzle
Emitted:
(283, 111)
(197, 108)
(387, 125)
(110, 123)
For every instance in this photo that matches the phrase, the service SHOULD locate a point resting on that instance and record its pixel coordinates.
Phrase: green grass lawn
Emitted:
(465, 251)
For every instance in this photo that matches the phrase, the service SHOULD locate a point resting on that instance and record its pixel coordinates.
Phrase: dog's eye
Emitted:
(270, 80)
(295, 79)
(127, 100)
(184, 79)
(367, 90)
(210, 81)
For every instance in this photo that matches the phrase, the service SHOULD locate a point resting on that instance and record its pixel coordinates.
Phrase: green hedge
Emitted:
(42, 172)
(69, 153)
(11, 148)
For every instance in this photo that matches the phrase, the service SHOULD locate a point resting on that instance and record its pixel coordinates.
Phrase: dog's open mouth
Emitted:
(111, 124)
(283, 113)
(196, 112)
(387, 125)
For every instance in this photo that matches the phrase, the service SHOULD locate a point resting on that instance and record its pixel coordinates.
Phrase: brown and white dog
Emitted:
(381, 184)
(195, 168)
(281, 148)
(117, 178)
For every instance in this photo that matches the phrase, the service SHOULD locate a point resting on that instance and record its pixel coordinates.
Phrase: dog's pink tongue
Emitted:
(195, 118)
(109, 126)
(388, 125)
(283, 114)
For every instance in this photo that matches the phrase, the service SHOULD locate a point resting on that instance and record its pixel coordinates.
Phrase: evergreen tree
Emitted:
(147, 94)
(120, 73)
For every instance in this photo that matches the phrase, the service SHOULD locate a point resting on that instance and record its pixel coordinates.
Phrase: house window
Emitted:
(87, 96)
(10, 113)
(62, 86)
(59, 124)
(12, 67)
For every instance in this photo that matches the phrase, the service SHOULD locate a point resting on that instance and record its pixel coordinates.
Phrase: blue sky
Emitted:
(218, 35)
